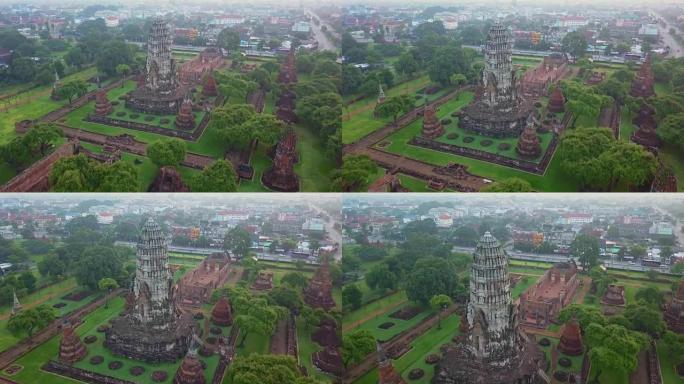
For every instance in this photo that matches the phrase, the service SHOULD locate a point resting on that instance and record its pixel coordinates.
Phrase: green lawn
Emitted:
(306, 348)
(555, 180)
(399, 326)
(380, 304)
(358, 120)
(668, 364)
(315, 166)
(426, 344)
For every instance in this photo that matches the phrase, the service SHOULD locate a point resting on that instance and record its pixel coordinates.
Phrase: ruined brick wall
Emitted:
(35, 178)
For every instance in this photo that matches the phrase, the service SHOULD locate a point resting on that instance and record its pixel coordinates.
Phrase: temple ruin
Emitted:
(221, 314)
(535, 83)
(185, 119)
(674, 310)
(571, 340)
(161, 93)
(642, 85)
(540, 304)
(614, 295)
(319, 292)
(190, 371)
(195, 287)
(557, 101)
(493, 348)
(529, 144)
(102, 105)
(281, 175)
(432, 127)
(71, 348)
(646, 127)
(497, 110)
(386, 372)
(263, 282)
(193, 71)
(151, 328)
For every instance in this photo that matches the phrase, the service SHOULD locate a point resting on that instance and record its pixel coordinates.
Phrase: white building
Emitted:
(232, 216)
(105, 218)
(301, 26)
(444, 221)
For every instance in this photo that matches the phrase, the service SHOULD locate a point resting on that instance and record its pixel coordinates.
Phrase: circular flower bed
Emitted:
(102, 328)
(445, 121)
(166, 121)
(90, 339)
(134, 115)
(416, 374)
(561, 376)
(137, 162)
(432, 358)
(386, 325)
(59, 305)
(159, 376)
(205, 352)
(96, 360)
(504, 147)
(114, 365)
(122, 97)
(114, 103)
(452, 136)
(215, 330)
(149, 118)
(121, 113)
(468, 139)
(136, 370)
(211, 340)
(564, 362)
(544, 342)
(455, 114)
(537, 105)
(486, 143)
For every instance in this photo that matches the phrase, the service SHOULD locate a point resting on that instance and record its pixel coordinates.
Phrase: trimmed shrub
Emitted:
(504, 146)
(468, 139)
(486, 143)
(96, 360)
(452, 136)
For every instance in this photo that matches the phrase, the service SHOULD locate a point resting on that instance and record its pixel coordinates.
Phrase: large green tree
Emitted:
(28, 321)
(220, 176)
(168, 152)
(96, 263)
(238, 241)
(586, 249)
(575, 44)
(356, 345)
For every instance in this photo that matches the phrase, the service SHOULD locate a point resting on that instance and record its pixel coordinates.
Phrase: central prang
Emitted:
(498, 110)
(151, 329)
(161, 94)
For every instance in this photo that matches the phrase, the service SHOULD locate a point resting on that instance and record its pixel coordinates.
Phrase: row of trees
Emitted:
(22, 151)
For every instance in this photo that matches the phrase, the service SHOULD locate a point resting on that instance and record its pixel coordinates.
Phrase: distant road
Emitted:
(554, 258)
(324, 43)
(208, 251)
(676, 49)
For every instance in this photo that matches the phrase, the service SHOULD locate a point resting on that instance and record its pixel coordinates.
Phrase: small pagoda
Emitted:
(432, 127)
(281, 176)
(674, 310)
(222, 315)
(646, 133)
(386, 372)
(319, 292)
(528, 143)
(56, 85)
(614, 295)
(168, 179)
(381, 94)
(185, 119)
(329, 360)
(71, 349)
(190, 371)
(16, 305)
(288, 70)
(263, 282)
(209, 87)
(557, 101)
(285, 107)
(642, 85)
(571, 340)
(102, 105)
